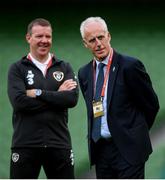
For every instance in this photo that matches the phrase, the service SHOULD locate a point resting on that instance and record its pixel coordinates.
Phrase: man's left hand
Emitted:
(31, 93)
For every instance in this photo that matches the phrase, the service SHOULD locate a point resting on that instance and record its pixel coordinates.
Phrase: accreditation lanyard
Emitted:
(106, 74)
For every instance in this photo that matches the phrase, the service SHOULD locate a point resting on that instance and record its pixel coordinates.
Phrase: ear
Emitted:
(28, 36)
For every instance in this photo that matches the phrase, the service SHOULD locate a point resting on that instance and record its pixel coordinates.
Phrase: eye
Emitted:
(48, 37)
(101, 37)
(92, 40)
(39, 36)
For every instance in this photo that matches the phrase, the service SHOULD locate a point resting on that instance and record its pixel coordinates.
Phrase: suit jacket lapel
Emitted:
(112, 78)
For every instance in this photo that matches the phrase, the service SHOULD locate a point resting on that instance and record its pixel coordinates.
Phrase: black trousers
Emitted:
(26, 163)
(111, 165)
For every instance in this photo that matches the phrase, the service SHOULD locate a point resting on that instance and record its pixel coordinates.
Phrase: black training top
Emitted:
(41, 121)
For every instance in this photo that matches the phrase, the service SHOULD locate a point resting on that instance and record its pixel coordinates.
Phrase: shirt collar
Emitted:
(35, 61)
(105, 61)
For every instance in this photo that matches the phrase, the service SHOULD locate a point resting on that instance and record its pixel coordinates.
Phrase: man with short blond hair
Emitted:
(41, 88)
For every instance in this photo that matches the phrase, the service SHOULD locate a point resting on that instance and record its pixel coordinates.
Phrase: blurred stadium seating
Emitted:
(136, 30)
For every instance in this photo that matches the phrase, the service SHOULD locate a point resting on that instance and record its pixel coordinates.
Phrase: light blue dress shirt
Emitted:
(105, 133)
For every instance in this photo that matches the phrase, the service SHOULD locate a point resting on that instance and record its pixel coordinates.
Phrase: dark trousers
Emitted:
(26, 163)
(111, 165)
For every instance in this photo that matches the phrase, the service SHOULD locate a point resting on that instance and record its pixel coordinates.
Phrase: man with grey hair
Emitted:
(121, 106)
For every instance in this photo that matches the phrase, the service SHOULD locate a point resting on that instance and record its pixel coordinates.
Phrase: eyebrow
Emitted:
(101, 35)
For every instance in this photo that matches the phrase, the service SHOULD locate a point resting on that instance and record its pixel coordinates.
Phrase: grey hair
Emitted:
(92, 19)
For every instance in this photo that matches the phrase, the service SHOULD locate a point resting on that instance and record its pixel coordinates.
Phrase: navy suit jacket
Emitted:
(131, 107)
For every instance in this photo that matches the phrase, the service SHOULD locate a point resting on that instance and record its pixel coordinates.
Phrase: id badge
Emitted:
(98, 109)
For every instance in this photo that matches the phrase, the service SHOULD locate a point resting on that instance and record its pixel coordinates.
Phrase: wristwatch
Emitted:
(38, 92)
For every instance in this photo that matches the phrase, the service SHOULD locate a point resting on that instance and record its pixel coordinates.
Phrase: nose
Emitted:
(98, 42)
(44, 39)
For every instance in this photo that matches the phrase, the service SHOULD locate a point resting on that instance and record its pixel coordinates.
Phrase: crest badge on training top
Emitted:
(15, 157)
(58, 75)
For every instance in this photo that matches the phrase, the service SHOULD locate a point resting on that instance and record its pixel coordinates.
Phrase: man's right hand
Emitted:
(68, 85)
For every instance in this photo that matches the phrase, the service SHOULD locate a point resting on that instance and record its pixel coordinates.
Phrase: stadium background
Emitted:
(137, 29)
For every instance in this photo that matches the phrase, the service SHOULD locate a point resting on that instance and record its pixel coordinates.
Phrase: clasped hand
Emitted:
(65, 86)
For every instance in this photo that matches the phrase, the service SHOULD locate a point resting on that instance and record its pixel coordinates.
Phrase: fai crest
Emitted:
(15, 157)
(58, 75)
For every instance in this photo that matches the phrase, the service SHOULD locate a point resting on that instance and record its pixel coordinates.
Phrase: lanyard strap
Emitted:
(106, 73)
